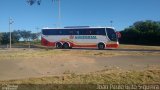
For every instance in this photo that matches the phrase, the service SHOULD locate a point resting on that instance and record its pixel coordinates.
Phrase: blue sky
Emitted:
(123, 13)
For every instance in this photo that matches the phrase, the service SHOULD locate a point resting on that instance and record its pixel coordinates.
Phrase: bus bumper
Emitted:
(112, 45)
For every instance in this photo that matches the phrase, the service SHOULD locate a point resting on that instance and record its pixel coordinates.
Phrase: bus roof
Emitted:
(78, 27)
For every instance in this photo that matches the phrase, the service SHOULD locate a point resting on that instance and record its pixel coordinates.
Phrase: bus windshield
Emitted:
(111, 34)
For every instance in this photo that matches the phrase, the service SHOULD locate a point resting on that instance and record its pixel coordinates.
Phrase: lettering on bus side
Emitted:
(83, 37)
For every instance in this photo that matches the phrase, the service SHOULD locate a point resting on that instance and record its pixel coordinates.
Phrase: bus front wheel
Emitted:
(101, 46)
(66, 46)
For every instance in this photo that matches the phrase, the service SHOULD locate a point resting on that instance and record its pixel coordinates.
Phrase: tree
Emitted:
(146, 26)
(15, 36)
(1, 37)
(5, 38)
(34, 36)
(142, 32)
(25, 35)
(31, 2)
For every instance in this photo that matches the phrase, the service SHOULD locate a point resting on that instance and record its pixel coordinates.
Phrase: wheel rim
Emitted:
(66, 46)
(101, 46)
(58, 45)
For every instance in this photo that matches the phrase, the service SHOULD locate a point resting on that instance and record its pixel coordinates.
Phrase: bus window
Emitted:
(100, 32)
(60, 32)
(91, 32)
(77, 32)
(71, 32)
(50, 32)
(94, 32)
(82, 32)
(88, 32)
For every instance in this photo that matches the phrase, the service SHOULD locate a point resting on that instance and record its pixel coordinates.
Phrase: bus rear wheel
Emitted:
(58, 45)
(101, 46)
(66, 46)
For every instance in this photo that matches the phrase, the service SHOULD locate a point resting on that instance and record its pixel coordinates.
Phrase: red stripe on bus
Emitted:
(112, 45)
(46, 42)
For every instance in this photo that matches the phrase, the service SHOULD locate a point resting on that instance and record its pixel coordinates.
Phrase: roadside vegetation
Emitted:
(72, 81)
(108, 76)
(142, 33)
(18, 36)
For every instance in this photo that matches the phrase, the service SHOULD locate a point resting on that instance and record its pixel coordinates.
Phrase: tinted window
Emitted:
(111, 34)
(89, 31)
(50, 32)
(100, 31)
(93, 31)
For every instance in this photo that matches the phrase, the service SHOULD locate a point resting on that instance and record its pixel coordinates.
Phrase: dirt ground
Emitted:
(29, 63)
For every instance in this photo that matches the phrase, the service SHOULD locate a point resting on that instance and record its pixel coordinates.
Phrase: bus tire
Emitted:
(66, 46)
(101, 46)
(58, 45)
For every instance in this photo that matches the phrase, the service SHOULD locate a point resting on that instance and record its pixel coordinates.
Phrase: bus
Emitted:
(77, 37)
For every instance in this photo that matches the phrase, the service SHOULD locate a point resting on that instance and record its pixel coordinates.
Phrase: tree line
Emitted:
(142, 32)
(16, 35)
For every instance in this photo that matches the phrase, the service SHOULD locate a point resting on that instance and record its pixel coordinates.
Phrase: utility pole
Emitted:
(10, 39)
(59, 13)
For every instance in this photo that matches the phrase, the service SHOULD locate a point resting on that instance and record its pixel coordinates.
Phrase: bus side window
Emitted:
(97, 32)
(94, 32)
(55, 32)
(60, 32)
(71, 32)
(77, 32)
(81, 32)
(101, 32)
(88, 32)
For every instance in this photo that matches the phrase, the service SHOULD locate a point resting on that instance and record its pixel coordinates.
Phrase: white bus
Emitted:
(70, 37)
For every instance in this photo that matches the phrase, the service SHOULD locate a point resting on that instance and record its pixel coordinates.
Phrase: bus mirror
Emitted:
(118, 34)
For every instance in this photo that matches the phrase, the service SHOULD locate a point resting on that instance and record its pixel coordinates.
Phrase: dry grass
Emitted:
(113, 76)
(30, 53)
(140, 47)
(72, 81)
(108, 76)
